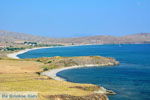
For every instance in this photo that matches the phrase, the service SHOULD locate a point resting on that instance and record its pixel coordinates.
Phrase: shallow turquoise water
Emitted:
(131, 79)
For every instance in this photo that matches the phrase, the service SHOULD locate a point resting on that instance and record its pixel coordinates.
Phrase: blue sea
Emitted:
(130, 80)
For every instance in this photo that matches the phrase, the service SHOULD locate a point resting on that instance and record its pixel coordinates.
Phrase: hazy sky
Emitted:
(74, 18)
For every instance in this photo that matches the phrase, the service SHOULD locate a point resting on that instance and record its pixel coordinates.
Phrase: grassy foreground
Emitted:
(21, 75)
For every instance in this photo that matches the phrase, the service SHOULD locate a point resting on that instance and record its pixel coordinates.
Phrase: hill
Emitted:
(15, 37)
(107, 39)
(6, 36)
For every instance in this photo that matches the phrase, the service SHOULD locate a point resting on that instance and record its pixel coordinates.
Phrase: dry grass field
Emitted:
(19, 66)
(20, 75)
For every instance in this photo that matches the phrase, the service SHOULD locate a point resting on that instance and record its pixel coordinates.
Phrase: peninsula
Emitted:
(27, 75)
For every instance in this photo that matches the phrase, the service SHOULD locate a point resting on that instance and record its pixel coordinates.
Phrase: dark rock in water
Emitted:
(110, 92)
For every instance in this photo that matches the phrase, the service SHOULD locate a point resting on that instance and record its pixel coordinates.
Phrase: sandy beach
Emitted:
(14, 55)
(53, 73)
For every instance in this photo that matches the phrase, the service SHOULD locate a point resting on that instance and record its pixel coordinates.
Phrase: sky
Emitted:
(75, 18)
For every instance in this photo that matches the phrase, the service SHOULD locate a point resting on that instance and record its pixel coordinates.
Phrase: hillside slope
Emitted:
(6, 36)
(15, 37)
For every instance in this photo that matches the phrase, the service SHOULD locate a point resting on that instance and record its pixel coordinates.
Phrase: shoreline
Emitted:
(53, 72)
(15, 54)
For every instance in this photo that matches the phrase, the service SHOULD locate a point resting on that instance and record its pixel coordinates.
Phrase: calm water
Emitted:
(130, 80)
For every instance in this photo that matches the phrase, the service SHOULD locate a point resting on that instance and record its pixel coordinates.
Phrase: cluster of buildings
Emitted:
(30, 43)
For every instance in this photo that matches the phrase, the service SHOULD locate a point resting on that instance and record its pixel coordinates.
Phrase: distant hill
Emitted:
(15, 37)
(6, 36)
(136, 38)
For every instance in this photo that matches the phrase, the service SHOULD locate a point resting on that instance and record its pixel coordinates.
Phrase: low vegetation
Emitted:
(59, 62)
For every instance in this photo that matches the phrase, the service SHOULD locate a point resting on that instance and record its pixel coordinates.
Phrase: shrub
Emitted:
(45, 69)
(49, 62)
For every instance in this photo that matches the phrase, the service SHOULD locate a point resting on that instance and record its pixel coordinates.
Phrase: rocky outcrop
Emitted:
(96, 89)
